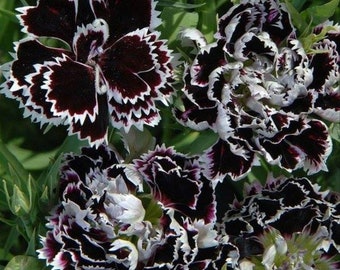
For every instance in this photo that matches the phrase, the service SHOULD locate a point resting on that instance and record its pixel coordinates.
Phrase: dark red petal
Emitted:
(195, 117)
(324, 65)
(125, 16)
(328, 106)
(294, 220)
(130, 67)
(316, 145)
(50, 19)
(38, 99)
(126, 115)
(51, 247)
(29, 53)
(277, 21)
(303, 143)
(71, 88)
(174, 179)
(230, 157)
(95, 131)
(88, 41)
(206, 61)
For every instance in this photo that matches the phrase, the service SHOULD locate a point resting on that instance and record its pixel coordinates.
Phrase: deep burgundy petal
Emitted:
(89, 40)
(136, 70)
(325, 66)
(143, 111)
(277, 21)
(173, 178)
(328, 106)
(194, 116)
(95, 131)
(27, 75)
(29, 53)
(50, 19)
(126, 62)
(231, 157)
(298, 143)
(316, 145)
(74, 98)
(125, 16)
(210, 58)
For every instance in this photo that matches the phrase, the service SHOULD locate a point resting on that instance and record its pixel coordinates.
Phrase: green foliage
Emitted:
(24, 262)
(30, 160)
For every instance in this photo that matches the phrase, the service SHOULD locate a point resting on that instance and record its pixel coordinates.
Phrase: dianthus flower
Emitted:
(259, 90)
(271, 218)
(97, 214)
(110, 67)
(190, 239)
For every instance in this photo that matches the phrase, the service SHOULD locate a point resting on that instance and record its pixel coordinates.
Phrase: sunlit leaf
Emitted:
(24, 262)
(174, 20)
(321, 13)
(137, 142)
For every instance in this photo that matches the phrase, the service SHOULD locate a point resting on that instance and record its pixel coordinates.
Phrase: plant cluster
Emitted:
(197, 135)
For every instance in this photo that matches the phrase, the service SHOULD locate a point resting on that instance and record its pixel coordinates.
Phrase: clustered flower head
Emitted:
(98, 211)
(262, 91)
(288, 222)
(110, 68)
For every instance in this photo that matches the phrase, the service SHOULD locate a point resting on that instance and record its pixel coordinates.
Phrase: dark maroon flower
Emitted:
(111, 67)
(254, 16)
(177, 183)
(259, 89)
(98, 207)
(289, 205)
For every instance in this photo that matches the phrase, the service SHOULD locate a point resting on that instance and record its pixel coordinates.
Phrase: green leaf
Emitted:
(137, 142)
(25, 262)
(335, 131)
(4, 255)
(297, 19)
(298, 4)
(20, 204)
(31, 248)
(8, 161)
(194, 142)
(174, 20)
(11, 15)
(29, 159)
(321, 13)
(12, 239)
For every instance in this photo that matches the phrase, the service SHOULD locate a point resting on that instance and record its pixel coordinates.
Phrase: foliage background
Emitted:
(30, 156)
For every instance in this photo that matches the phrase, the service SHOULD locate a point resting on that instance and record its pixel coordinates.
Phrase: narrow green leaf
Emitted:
(8, 197)
(298, 4)
(24, 262)
(296, 17)
(11, 15)
(11, 240)
(5, 256)
(31, 248)
(9, 159)
(335, 131)
(20, 204)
